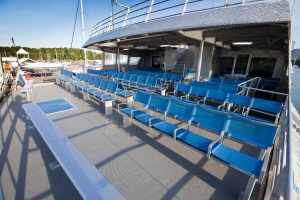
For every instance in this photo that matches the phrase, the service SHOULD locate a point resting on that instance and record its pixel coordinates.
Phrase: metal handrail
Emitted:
(143, 12)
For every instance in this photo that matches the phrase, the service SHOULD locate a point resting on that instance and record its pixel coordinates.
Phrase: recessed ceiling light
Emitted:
(242, 43)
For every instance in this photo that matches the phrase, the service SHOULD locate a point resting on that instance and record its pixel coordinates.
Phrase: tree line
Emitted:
(51, 54)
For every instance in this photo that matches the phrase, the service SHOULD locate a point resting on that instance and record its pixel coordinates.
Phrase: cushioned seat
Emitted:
(238, 160)
(124, 93)
(199, 142)
(165, 127)
(129, 110)
(92, 91)
(145, 118)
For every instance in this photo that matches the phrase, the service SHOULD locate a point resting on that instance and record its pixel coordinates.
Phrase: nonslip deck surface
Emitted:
(140, 164)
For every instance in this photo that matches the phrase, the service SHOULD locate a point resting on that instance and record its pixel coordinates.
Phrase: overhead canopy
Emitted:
(22, 52)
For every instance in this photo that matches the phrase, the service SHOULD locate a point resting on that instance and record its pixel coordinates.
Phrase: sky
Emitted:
(48, 23)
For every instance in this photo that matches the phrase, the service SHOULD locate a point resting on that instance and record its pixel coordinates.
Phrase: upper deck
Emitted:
(154, 17)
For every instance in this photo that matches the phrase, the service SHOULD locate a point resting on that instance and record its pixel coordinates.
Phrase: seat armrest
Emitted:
(180, 128)
(213, 144)
(133, 111)
(120, 105)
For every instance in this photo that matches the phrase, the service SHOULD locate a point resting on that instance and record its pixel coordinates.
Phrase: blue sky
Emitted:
(47, 23)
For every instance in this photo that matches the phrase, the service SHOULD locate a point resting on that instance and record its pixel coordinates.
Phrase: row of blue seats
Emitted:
(101, 72)
(228, 88)
(165, 76)
(245, 103)
(226, 125)
(138, 81)
(101, 88)
(66, 73)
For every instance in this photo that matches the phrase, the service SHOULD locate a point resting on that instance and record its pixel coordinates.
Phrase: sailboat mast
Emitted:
(83, 34)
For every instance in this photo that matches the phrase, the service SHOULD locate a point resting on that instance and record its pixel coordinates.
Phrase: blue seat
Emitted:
(197, 141)
(253, 132)
(124, 93)
(157, 103)
(103, 85)
(241, 161)
(165, 127)
(208, 119)
(142, 80)
(182, 89)
(142, 98)
(152, 82)
(198, 91)
(216, 95)
(239, 100)
(269, 106)
(180, 110)
(112, 87)
(102, 96)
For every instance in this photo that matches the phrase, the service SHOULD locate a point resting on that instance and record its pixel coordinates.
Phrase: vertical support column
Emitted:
(200, 59)
(234, 64)
(118, 58)
(212, 61)
(103, 59)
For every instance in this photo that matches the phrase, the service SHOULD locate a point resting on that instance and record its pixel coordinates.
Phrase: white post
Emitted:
(83, 35)
(118, 58)
(149, 11)
(200, 58)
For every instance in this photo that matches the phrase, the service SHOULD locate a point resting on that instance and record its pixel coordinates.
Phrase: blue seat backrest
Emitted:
(152, 82)
(183, 88)
(142, 97)
(103, 84)
(216, 95)
(211, 120)
(266, 105)
(134, 78)
(121, 75)
(199, 91)
(180, 109)
(112, 86)
(142, 80)
(258, 133)
(98, 81)
(239, 100)
(127, 77)
(158, 103)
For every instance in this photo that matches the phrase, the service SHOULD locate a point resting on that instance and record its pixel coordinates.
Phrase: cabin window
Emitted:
(134, 60)
(262, 67)
(241, 64)
(226, 64)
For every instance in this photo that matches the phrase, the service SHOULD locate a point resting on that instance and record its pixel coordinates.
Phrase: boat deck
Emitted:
(140, 164)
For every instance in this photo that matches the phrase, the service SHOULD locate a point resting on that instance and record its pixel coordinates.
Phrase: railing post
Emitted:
(126, 17)
(184, 7)
(226, 3)
(149, 11)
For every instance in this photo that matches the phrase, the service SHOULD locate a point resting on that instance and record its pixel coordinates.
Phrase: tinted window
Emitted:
(226, 65)
(262, 67)
(241, 64)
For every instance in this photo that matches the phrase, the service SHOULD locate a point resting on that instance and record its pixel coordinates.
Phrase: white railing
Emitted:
(149, 10)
